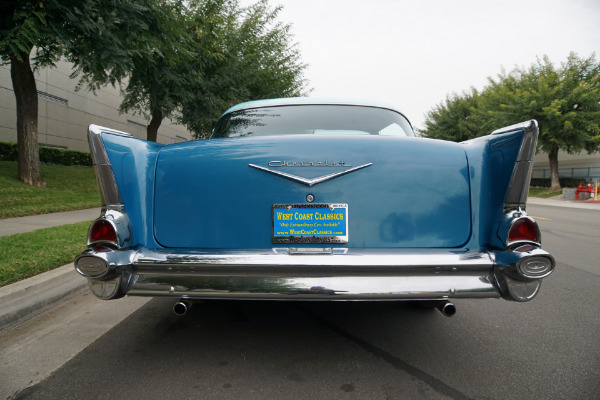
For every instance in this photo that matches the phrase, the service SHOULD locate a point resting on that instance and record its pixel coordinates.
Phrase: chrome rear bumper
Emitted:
(304, 274)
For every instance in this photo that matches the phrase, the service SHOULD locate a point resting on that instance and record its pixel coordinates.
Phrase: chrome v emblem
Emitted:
(307, 181)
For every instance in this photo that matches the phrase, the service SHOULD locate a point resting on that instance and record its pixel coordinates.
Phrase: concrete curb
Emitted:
(560, 202)
(25, 299)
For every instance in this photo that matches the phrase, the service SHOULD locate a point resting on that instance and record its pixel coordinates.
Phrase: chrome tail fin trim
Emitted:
(516, 195)
(107, 184)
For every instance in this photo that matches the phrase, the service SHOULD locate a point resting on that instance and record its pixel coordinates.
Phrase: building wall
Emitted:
(65, 114)
(581, 165)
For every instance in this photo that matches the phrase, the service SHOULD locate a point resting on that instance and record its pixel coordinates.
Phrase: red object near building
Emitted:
(583, 188)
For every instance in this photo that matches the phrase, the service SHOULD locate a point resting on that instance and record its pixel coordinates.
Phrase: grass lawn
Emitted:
(67, 188)
(543, 192)
(27, 254)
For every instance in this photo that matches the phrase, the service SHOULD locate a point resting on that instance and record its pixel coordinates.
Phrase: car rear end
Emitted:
(334, 216)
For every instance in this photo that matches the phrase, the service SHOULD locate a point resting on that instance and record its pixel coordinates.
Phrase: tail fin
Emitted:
(125, 168)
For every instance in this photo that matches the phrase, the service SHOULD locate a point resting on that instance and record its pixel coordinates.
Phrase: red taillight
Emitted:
(524, 229)
(103, 231)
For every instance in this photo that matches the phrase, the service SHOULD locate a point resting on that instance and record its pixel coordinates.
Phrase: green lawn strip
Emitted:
(543, 192)
(27, 254)
(67, 188)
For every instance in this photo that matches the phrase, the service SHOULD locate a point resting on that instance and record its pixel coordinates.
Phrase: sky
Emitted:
(412, 54)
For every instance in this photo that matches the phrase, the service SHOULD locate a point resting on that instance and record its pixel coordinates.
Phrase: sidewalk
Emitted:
(10, 226)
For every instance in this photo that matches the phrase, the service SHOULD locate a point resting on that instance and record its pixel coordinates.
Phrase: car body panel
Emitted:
(207, 195)
(426, 219)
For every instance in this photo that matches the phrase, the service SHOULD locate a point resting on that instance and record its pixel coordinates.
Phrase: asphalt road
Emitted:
(492, 349)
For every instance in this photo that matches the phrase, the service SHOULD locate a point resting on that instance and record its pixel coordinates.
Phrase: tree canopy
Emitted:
(454, 118)
(100, 37)
(226, 54)
(257, 60)
(565, 101)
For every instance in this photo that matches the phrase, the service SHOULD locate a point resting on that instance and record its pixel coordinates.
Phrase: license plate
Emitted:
(310, 223)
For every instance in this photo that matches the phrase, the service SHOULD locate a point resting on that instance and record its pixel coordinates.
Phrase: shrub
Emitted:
(8, 151)
(564, 182)
(48, 155)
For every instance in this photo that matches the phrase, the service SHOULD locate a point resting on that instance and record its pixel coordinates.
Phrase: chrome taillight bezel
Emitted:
(119, 222)
(519, 242)
(111, 243)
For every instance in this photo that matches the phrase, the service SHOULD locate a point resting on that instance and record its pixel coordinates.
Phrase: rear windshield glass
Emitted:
(313, 119)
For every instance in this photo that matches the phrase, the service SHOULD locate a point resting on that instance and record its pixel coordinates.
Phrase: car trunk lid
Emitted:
(397, 192)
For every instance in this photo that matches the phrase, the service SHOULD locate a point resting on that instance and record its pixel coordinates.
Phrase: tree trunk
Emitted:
(152, 129)
(553, 159)
(27, 120)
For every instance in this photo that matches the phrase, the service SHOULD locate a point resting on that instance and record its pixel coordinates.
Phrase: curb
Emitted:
(584, 205)
(27, 298)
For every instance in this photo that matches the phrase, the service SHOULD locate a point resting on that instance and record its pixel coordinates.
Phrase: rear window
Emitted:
(313, 120)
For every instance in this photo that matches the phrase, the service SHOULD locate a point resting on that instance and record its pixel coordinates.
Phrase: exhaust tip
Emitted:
(447, 308)
(181, 308)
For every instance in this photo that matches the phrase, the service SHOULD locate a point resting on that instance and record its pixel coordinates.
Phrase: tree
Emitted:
(455, 118)
(232, 54)
(160, 78)
(565, 101)
(224, 55)
(100, 37)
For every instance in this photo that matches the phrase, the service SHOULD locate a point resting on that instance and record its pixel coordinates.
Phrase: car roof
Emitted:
(308, 101)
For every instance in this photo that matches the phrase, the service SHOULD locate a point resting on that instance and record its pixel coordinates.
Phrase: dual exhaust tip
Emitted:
(446, 308)
(181, 307)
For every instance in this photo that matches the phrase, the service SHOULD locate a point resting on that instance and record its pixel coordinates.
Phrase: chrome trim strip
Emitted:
(113, 209)
(265, 287)
(99, 129)
(107, 184)
(357, 258)
(307, 101)
(307, 181)
(511, 128)
(521, 176)
(371, 274)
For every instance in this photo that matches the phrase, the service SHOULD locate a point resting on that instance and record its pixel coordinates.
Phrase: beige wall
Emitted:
(65, 125)
(581, 165)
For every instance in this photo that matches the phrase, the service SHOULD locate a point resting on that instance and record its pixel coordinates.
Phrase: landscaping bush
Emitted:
(51, 155)
(8, 151)
(48, 155)
(564, 182)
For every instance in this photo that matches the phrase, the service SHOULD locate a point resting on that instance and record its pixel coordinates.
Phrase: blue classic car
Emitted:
(304, 199)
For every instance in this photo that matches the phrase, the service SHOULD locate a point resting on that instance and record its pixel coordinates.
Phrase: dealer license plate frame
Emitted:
(311, 223)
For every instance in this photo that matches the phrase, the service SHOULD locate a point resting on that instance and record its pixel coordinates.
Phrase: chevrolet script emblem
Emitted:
(307, 181)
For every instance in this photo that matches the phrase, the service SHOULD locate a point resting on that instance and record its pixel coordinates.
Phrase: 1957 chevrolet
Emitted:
(304, 199)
